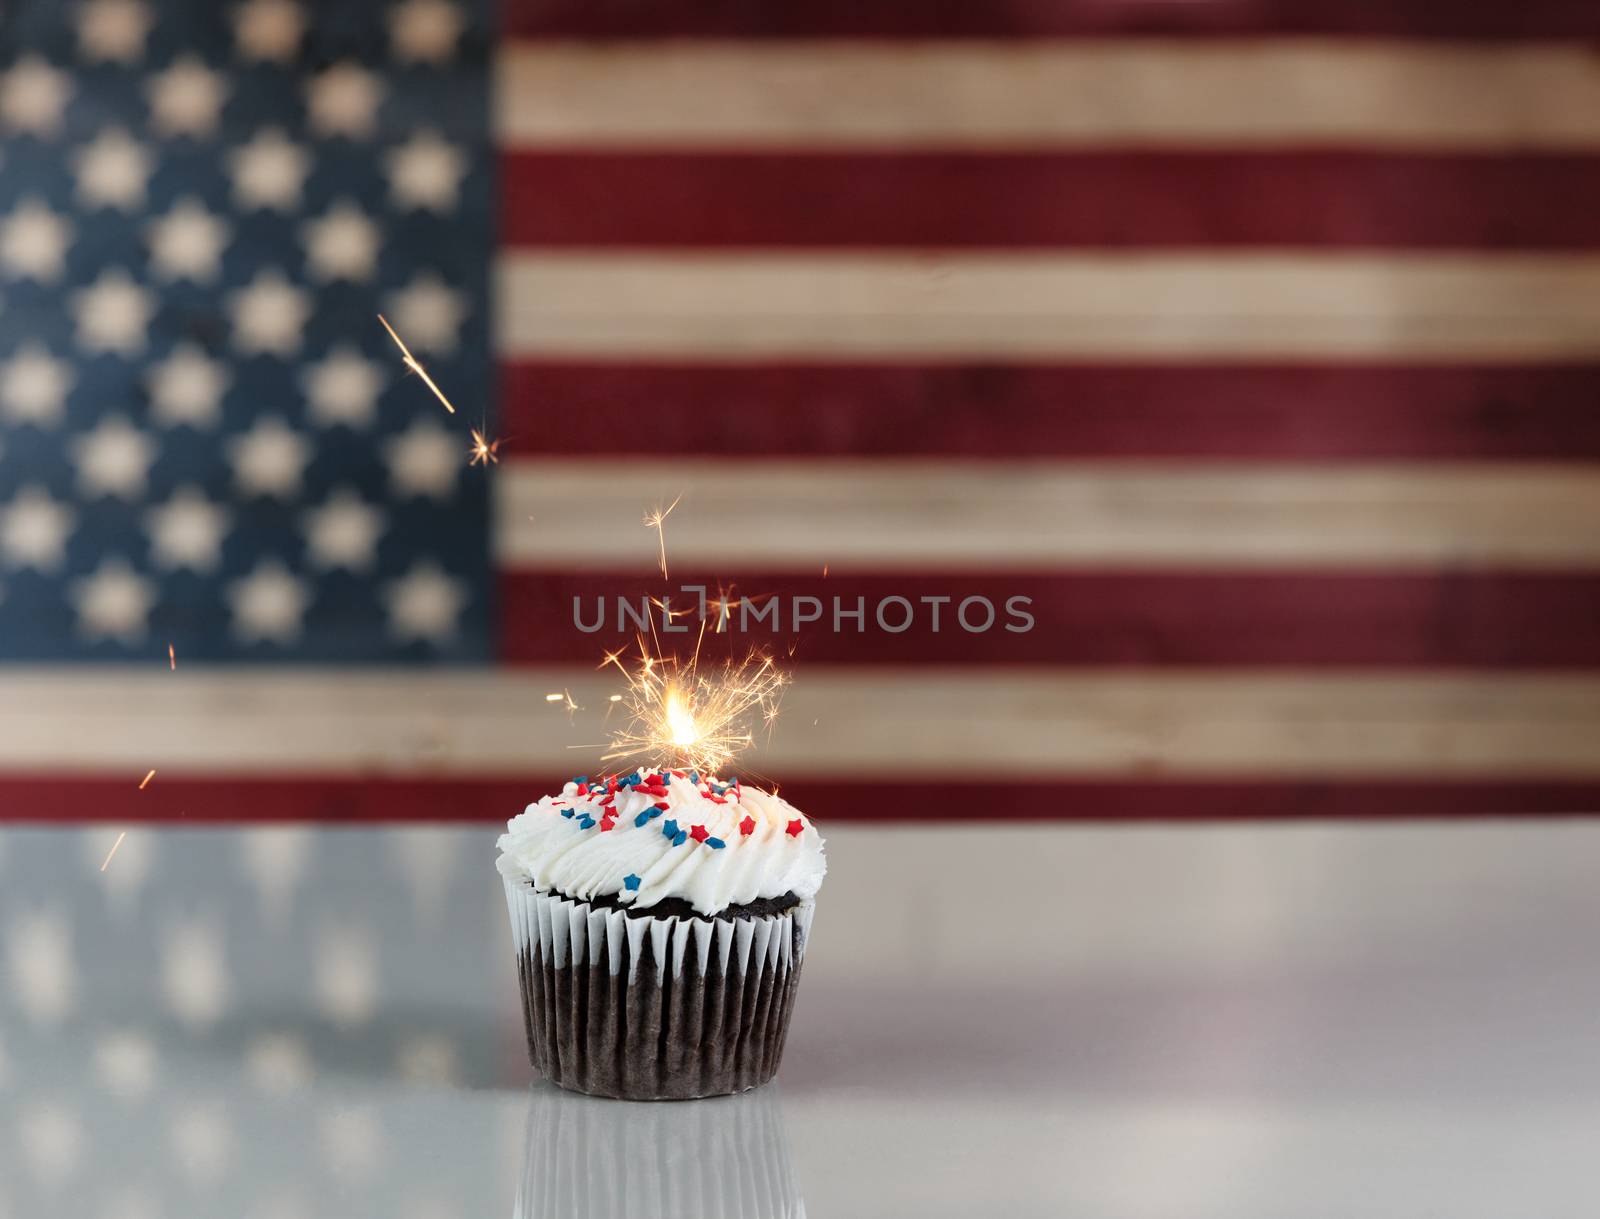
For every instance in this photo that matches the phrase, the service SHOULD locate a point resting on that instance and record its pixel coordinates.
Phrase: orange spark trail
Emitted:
(146, 781)
(113, 850)
(411, 362)
(657, 521)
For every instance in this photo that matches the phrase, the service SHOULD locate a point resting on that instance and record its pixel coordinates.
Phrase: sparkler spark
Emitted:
(698, 717)
(145, 782)
(113, 850)
(415, 365)
(483, 450)
(172, 659)
(657, 520)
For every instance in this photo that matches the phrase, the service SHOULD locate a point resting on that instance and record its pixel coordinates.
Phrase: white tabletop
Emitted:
(1241, 1021)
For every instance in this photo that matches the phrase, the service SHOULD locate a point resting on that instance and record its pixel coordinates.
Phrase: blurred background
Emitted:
(1254, 342)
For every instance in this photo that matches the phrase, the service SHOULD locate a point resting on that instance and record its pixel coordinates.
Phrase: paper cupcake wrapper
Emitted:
(590, 1158)
(654, 1008)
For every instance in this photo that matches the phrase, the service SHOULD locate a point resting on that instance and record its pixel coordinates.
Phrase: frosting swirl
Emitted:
(652, 835)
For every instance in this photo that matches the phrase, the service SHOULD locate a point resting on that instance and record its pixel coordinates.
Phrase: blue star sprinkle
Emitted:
(716, 844)
(669, 828)
(585, 823)
(681, 838)
(630, 883)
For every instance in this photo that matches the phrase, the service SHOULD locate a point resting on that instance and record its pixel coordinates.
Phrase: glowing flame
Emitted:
(696, 716)
(682, 729)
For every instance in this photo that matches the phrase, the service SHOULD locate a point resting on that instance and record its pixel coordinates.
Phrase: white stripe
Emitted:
(1503, 307)
(1257, 93)
(924, 515)
(835, 722)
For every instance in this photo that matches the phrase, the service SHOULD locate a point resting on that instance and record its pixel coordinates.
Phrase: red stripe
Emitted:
(1449, 620)
(237, 799)
(1117, 200)
(1330, 412)
(1045, 18)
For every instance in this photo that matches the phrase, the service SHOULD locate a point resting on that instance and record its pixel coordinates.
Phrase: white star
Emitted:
(34, 241)
(344, 973)
(187, 387)
(113, 314)
(268, 29)
(269, 459)
(34, 530)
(424, 604)
(113, 603)
(40, 959)
(344, 101)
(425, 172)
(202, 1142)
(428, 312)
(187, 531)
(350, 1138)
(423, 460)
(126, 1063)
(344, 532)
(424, 30)
(269, 171)
(269, 315)
(113, 459)
(51, 1136)
(113, 30)
(268, 604)
(187, 242)
(34, 96)
(33, 386)
(194, 973)
(187, 98)
(280, 1063)
(427, 1058)
(343, 244)
(113, 170)
(343, 388)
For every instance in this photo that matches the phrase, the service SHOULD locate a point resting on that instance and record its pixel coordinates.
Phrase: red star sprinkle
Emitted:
(748, 825)
(698, 833)
(794, 827)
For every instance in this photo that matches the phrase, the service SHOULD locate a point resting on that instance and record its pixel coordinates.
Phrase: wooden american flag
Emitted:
(1258, 343)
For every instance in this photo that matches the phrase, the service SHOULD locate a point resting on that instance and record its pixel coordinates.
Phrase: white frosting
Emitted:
(555, 851)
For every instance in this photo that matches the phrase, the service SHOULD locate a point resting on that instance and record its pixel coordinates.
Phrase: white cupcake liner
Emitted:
(654, 1008)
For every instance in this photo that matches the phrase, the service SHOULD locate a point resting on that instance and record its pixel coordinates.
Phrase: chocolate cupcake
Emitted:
(660, 920)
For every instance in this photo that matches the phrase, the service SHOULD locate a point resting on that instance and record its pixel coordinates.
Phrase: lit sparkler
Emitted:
(657, 520)
(415, 365)
(483, 450)
(700, 718)
(172, 659)
(145, 782)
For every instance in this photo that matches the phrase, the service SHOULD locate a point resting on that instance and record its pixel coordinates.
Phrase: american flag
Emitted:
(1257, 343)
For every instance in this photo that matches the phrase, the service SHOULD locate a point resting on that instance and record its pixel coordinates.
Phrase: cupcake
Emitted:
(660, 920)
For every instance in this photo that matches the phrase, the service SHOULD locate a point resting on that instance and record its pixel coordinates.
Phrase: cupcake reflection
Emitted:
(594, 1158)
